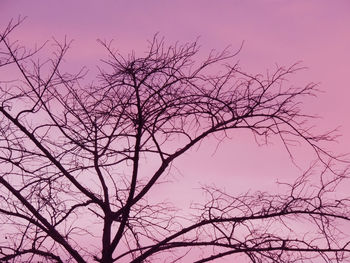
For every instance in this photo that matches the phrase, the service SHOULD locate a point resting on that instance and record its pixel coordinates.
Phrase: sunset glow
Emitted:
(265, 36)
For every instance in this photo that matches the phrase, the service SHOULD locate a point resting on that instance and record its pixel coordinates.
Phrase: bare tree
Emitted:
(73, 187)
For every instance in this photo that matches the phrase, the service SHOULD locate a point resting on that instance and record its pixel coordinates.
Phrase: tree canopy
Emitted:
(72, 187)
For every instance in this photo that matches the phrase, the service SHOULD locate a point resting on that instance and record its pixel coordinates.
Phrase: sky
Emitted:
(274, 32)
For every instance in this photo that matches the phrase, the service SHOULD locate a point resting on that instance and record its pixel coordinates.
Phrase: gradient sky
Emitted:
(315, 32)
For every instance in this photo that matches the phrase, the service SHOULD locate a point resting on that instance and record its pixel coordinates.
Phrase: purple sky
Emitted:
(274, 32)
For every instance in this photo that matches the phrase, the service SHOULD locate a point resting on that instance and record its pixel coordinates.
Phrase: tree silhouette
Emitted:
(73, 187)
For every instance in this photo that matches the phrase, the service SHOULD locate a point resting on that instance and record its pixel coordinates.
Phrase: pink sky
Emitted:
(274, 32)
(315, 32)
